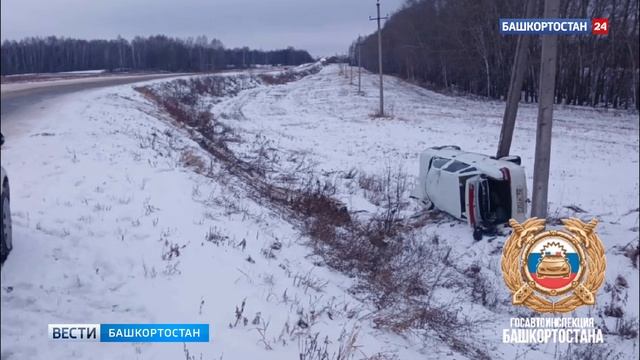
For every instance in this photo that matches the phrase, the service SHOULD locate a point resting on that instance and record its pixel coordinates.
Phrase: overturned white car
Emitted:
(479, 189)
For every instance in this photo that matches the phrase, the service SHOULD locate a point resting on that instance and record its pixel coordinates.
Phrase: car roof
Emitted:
(484, 163)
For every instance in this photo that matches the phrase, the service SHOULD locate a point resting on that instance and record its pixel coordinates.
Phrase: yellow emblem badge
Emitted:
(554, 270)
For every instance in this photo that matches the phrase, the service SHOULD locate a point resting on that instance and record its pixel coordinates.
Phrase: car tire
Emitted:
(512, 158)
(6, 245)
(454, 147)
(477, 234)
(428, 204)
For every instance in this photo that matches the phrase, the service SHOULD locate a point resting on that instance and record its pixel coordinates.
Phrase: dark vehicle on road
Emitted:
(6, 244)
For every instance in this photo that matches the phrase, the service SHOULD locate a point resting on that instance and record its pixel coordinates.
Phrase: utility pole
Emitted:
(359, 64)
(378, 18)
(515, 87)
(351, 55)
(546, 97)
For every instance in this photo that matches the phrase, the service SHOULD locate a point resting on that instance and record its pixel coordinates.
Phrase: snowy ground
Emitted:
(111, 226)
(322, 117)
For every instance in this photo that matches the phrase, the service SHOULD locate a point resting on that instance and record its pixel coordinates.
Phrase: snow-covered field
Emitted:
(110, 225)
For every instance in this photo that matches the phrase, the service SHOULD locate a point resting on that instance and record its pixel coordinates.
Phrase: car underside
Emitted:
(483, 191)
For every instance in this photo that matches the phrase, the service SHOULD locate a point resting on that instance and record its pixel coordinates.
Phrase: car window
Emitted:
(438, 162)
(468, 170)
(455, 166)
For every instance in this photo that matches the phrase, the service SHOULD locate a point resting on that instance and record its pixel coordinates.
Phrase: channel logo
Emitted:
(596, 26)
(74, 332)
(129, 332)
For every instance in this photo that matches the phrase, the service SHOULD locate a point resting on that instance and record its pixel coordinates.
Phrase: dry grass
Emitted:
(287, 76)
(398, 272)
(189, 159)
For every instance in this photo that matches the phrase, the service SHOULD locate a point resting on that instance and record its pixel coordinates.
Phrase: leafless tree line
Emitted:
(159, 52)
(457, 46)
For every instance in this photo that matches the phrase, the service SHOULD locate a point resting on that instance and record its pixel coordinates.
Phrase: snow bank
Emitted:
(120, 216)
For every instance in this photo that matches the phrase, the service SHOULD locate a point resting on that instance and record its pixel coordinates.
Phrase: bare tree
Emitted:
(158, 52)
(455, 45)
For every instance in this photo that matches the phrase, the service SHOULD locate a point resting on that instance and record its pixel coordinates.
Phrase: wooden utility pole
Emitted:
(546, 97)
(359, 64)
(378, 18)
(351, 56)
(515, 87)
(243, 58)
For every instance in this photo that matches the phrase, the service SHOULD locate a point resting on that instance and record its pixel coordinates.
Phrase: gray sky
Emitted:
(323, 27)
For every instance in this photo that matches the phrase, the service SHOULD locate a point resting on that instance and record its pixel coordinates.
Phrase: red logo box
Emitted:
(600, 26)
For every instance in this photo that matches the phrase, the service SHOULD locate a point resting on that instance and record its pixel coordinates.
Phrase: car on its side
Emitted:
(5, 244)
(479, 189)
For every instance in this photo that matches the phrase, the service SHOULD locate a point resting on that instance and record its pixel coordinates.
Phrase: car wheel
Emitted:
(512, 158)
(6, 245)
(428, 204)
(477, 234)
(454, 147)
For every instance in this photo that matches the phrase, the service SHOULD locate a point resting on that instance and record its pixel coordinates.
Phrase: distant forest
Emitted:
(457, 46)
(159, 52)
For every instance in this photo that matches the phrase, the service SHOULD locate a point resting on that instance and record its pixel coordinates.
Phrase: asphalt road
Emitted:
(17, 98)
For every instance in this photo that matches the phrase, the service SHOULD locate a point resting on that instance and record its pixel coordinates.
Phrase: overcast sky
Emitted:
(323, 27)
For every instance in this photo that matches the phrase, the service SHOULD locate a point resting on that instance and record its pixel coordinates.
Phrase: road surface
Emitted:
(19, 100)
